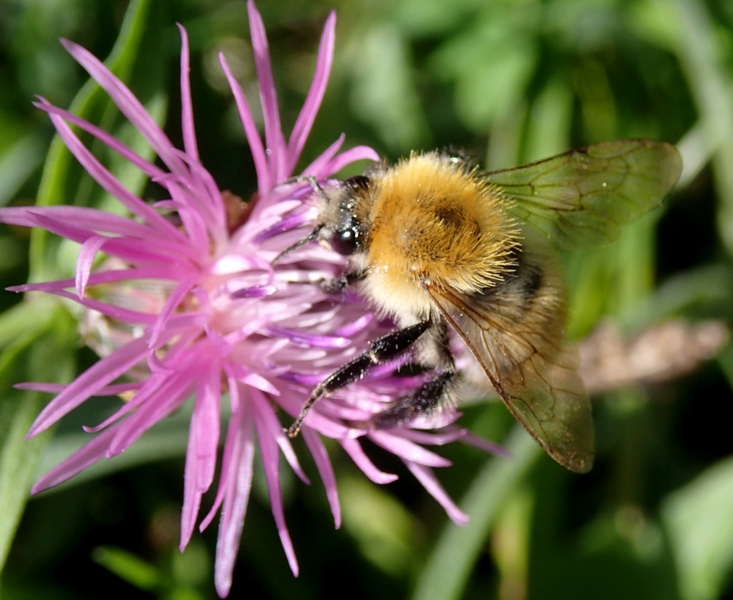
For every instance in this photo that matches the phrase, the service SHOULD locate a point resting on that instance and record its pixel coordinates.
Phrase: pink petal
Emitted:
(435, 438)
(121, 314)
(79, 223)
(269, 421)
(145, 390)
(273, 130)
(270, 461)
(171, 304)
(203, 440)
(193, 218)
(128, 105)
(325, 469)
(205, 421)
(315, 95)
(114, 276)
(426, 477)
(348, 157)
(231, 445)
(257, 381)
(239, 479)
(101, 175)
(191, 496)
(211, 204)
(85, 261)
(170, 395)
(90, 453)
(485, 445)
(187, 125)
(55, 388)
(356, 452)
(264, 180)
(129, 249)
(90, 382)
(355, 327)
(92, 220)
(108, 139)
(318, 167)
(406, 450)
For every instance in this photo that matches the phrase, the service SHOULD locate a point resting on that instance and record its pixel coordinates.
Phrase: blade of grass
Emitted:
(702, 57)
(49, 329)
(447, 570)
(45, 352)
(59, 159)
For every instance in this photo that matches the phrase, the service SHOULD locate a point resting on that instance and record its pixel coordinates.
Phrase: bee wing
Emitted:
(533, 373)
(582, 197)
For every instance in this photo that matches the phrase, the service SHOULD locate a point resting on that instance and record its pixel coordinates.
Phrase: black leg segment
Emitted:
(337, 286)
(386, 348)
(426, 399)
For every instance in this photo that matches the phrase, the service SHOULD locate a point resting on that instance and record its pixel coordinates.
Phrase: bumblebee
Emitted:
(436, 245)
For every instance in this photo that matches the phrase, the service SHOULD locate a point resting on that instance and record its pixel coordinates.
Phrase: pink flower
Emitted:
(196, 308)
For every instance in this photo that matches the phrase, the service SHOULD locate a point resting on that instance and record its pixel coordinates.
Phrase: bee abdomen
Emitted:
(521, 285)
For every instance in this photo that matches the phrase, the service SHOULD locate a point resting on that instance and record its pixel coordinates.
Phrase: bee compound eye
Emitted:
(345, 240)
(357, 182)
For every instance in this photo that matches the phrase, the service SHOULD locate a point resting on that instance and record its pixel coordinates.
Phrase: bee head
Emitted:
(345, 234)
(340, 228)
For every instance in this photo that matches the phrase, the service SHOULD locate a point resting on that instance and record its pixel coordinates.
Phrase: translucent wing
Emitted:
(520, 347)
(582, 197)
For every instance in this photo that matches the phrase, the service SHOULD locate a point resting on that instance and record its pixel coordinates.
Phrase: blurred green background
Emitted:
(508, 82)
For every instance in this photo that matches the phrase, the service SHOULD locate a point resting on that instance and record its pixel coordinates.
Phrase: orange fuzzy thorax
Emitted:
(433, 222)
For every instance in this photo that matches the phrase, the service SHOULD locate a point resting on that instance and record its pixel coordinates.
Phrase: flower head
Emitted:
(198, 309)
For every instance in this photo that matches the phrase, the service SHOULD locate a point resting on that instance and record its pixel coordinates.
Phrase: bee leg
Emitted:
(430, 396)
(441, 342)
(311, 180)
(337, 285)
(388, 347)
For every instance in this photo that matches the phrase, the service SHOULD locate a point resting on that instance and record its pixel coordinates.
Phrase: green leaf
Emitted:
(127, 566)
(379, 524)
(702, 55)
(54, 187)
(699, 519)
(168, 439)
(39, 336)
(447, 570)
(45, 352)
(491, 64)
(385, 92)
(549, 121)
(18, 163)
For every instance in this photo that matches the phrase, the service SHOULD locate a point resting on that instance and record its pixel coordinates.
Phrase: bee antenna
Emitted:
(313, 181)
(310, 179)
(309, 238)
